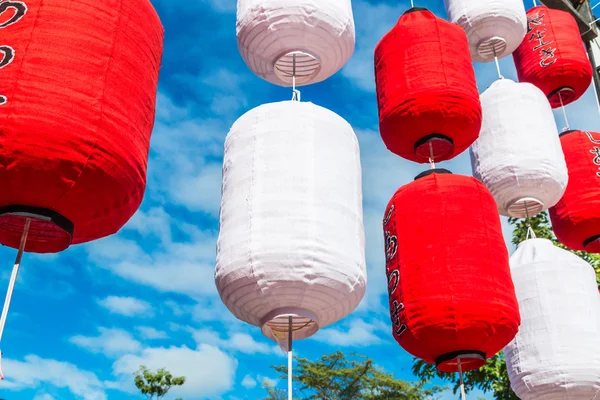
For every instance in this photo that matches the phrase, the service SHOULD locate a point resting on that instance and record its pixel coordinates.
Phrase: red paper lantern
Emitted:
(451, 292)
(553, 57)
(78, 89)
(576, 217)
(426, 89)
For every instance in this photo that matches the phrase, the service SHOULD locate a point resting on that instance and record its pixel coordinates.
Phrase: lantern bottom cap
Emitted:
(592, 245)
(276, 325)
(301, 64)
(435, 146)
(492, 47)
(49, 231)
(524, 207)
(565, 94)
(469, 360)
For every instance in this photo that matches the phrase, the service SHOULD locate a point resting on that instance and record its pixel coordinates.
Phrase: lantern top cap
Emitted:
(567, 132)
(534, 241)
(432, 171)
(415, 9)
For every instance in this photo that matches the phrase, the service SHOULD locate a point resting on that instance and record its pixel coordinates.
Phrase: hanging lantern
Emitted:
(291, 241)
(451, 293)
(553, 57)
(426, 89)
(555, 354)
(576, 217)
(495, 28)
(518, 155)
(77, 99)
(78, 109)
(308, 39)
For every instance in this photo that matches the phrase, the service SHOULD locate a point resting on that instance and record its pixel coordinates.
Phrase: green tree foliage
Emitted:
(155, 385)
(493, 377)
(337, 377)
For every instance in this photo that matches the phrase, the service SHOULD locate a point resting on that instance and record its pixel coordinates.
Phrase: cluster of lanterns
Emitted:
(77, 103)
(290, 253)
(291, 245)
(455, 297)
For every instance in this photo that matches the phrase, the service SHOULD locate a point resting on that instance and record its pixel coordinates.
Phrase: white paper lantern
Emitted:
(555, 355)
(291, 238)
(491, 25)
(318, 33)
(518, 155)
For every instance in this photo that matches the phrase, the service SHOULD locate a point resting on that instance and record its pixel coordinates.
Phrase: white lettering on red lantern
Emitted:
(7, 53)
(595, 151)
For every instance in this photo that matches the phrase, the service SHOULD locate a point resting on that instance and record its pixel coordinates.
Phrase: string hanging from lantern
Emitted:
(295, 92)
(530, 232)
(412, 3)
(463, 395)
(431, 159)
(497, 62)
(290, 358)
(566, 128)
(11, 284)
(534, 3)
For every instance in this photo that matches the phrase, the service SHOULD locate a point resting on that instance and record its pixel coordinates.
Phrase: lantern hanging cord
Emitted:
(290, 358)
(11, 284)
(295, 92)
(530, 232)
(412, 3)
(534, 3)
(597, 4)
(463, 395)
(566, 128)
(431, 160)
(497, 62)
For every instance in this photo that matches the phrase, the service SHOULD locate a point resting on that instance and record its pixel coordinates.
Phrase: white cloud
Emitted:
(43, 396)
(355, 333)
(186, 268)
(248, 382)
(208, 370)
(375, 21)
(35, 371)
(268, 381)
(155, 222)
(236, 341)
(127, 306)
(110, 342)
(200, 192)
(147, 332)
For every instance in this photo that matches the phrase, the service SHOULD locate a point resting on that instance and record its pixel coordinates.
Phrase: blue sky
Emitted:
(82, 321)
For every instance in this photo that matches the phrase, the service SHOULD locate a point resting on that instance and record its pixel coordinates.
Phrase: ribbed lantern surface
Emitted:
(555, 354)
(318, 34)
(451, 293)
(494, 27)
(291, 237)
(576, 217)
(426, 89)
(77, 98)
(553, 57)
(518, 155)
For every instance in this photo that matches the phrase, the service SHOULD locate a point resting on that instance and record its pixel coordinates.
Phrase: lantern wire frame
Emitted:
(297, 67)
(11, 284)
